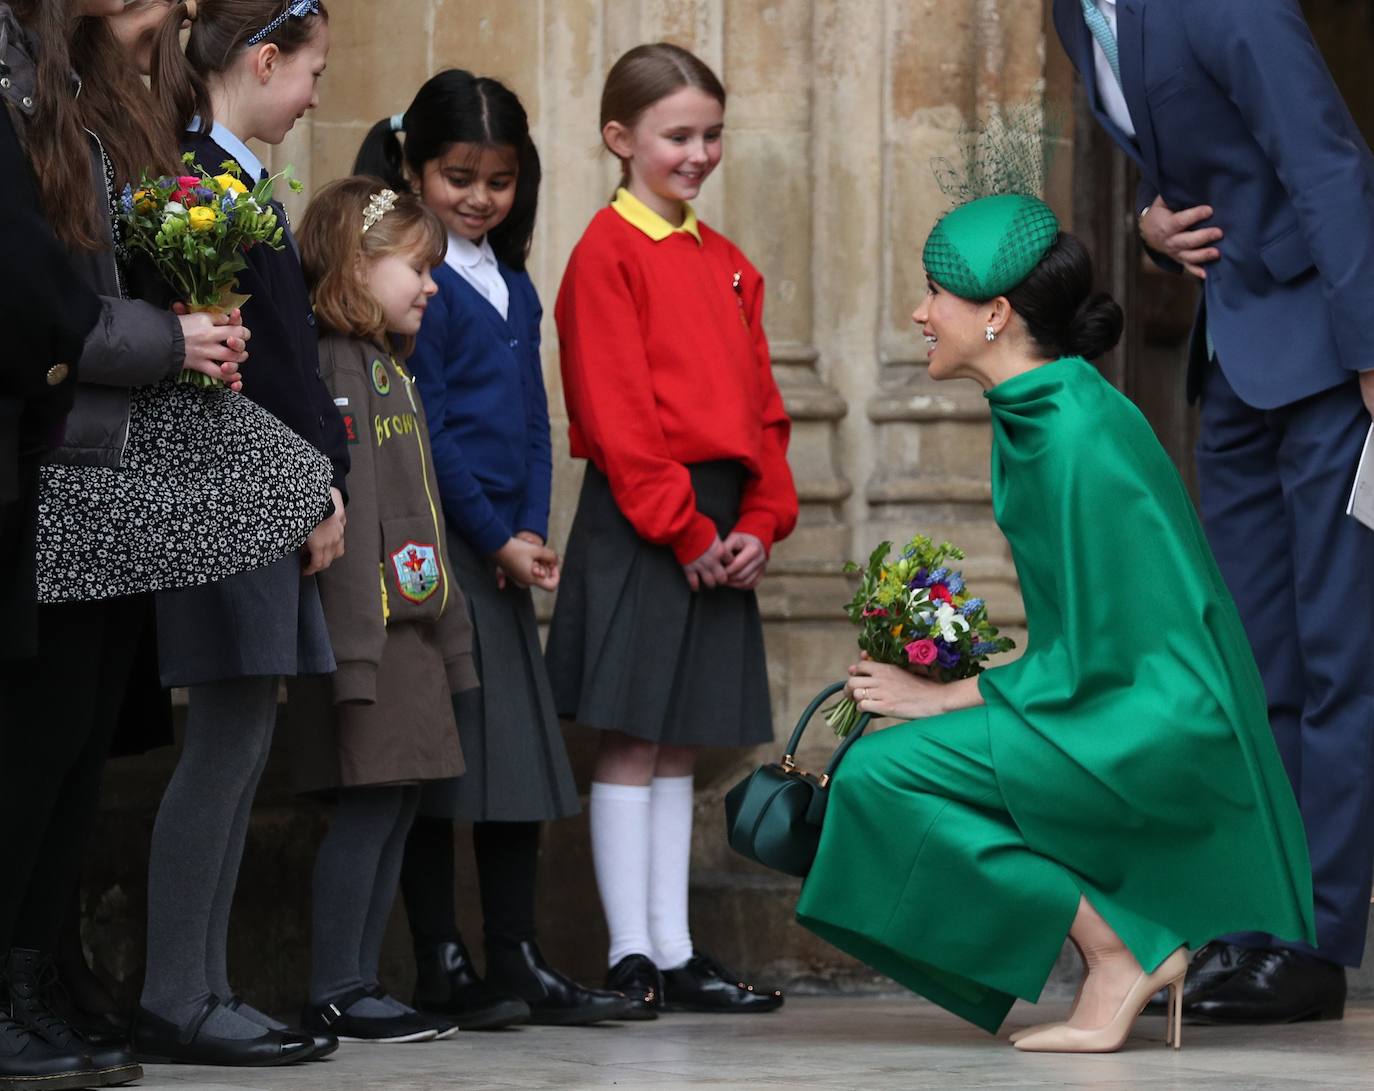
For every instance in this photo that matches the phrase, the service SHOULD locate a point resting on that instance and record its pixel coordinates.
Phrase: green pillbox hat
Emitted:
(987, 247)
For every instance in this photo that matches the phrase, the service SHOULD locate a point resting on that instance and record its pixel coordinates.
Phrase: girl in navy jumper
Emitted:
(468, 155)
(248, 72)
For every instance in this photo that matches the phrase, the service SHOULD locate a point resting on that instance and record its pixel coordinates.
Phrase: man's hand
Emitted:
(1177, 236)
(1367, 390)
(326, 542)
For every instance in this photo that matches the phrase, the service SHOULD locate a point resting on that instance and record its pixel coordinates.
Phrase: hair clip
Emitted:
(378, 205)
(297, 9)
(398, 123)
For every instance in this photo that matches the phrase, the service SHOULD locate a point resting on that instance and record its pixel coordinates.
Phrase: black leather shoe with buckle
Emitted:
(32, 979)
(160, 1041)
(334, 1018)
(638, 979)
(703, 984)
(324, 1044)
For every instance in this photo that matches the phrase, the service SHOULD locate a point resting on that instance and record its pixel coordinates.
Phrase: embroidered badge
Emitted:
(350, 428)
(381, 378)
(416, 567)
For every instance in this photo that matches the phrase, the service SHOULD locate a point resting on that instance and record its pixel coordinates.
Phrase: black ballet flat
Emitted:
(159, 1041)
(324, 1043)
(706, 986)
(641, 983)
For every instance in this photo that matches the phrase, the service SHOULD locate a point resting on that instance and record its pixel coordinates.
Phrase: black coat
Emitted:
(282, 372)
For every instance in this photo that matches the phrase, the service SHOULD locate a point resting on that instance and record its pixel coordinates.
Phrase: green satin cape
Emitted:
(1132, 740)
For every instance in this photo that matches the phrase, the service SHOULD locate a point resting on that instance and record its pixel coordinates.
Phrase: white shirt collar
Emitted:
(466, 254)
(238, 150)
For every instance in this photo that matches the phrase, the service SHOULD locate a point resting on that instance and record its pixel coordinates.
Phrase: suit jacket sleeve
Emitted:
(534, 512)
(1262, 54)
(351, 587)
(768, 508)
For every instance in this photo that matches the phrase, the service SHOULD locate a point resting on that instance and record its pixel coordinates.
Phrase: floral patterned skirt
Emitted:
(211, 485)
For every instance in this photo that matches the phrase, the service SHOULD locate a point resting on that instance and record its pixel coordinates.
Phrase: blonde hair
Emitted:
(334, 246)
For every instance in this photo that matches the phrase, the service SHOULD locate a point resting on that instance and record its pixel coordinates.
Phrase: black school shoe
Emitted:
(554, 999)
(703, 984)
(27, 1061)
(31, 978)
(639, 981)
(324, 1043)
(160, 1041)
(400, 1028)
(447, 984)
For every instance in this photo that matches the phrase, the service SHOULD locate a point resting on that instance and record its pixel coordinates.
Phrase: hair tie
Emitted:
(296, 9)
(191, 10)
(378, 205)
(398, 123)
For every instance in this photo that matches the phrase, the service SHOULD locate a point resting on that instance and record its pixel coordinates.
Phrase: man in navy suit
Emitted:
(1257, 181)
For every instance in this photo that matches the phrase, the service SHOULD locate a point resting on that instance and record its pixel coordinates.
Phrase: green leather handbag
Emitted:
(773, 816)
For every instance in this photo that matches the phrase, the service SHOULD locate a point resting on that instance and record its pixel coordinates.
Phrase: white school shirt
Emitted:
(476, 263)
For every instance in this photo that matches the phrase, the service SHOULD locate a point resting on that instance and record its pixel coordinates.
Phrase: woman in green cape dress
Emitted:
(1118, 783)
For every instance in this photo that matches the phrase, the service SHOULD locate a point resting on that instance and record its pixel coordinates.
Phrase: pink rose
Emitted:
(875, 611)
(921, 652)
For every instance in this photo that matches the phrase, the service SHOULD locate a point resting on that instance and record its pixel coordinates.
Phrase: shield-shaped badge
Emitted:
(416, 568)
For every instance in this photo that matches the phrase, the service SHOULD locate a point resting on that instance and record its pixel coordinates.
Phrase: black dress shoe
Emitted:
(553, 998)
(1213, 964)
(637, 979)
(26, 1061)
(1279, 986)
(32, 979)
(447, 984)
(334, 1018)
(159, 1041)
(324, 1043)
(704, 985)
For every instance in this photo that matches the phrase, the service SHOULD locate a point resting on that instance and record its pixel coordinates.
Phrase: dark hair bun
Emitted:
(1096, 326)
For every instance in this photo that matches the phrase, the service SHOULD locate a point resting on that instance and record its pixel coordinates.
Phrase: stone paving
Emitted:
(830, 1043)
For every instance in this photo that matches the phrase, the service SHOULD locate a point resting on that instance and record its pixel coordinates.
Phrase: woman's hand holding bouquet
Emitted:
(914, 614)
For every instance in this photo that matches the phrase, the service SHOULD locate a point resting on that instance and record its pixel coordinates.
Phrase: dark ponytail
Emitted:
(219, 33)
(456, 107)
(1063, 315)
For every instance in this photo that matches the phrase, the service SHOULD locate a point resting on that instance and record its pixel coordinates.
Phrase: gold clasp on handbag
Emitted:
(788, 764)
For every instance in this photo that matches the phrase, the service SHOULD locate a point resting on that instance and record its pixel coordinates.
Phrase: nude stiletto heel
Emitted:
(1063, 1038)
(1026, 1032)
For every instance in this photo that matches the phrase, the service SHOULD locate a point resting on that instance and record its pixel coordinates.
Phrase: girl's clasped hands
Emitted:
(527, 561)
(739, 562)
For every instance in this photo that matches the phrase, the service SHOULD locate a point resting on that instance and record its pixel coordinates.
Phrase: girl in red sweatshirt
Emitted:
(656, 638)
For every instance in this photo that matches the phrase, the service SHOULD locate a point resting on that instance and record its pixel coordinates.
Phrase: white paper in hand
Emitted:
(1361, 503)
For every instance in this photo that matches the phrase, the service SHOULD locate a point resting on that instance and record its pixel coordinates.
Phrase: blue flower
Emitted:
(203, 194)
(971, 607)
(984, 648)
(946, 656)
(940, 575)
(126, 199)
(955, 583)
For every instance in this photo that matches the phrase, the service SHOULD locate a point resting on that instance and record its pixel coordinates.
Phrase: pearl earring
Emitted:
(992, 334)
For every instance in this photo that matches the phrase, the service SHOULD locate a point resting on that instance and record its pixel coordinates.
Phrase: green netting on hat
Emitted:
(987, 247)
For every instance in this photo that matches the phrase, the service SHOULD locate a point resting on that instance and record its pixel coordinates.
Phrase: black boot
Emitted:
(26, 1061)
(704, 985)
(447, 984)
(32, 978)
(639, 981)
(554, 999)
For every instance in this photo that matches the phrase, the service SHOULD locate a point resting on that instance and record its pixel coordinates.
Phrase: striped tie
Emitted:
(1102, 31)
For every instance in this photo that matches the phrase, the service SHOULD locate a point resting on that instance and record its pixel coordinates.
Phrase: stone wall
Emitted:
(836, 109)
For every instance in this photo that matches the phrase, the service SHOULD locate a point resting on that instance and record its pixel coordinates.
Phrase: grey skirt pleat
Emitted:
(633, 649)
(517, 766)
(267, 621)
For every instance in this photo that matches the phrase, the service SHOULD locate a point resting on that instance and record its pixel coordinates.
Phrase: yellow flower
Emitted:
(229, 184)
(202, 218)
(896, 630)
(145, 201)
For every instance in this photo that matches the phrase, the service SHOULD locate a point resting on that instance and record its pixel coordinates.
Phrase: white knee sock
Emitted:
(670, 819)
(620, 825)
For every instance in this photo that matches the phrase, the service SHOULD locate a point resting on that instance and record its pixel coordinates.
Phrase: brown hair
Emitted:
(58, 150)
(648, 73)
(332, 242)
(117, 106)
(218, 35)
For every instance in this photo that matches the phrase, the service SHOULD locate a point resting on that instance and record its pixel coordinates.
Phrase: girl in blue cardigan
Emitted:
(469, 156)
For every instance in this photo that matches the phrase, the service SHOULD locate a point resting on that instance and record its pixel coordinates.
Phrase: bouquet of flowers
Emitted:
(916, 611)
(197, 228)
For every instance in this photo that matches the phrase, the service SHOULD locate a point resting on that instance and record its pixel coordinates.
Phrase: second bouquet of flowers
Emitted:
(197, 228)
(916, 611)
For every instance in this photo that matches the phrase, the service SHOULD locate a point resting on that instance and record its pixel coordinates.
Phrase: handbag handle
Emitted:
(789, 759)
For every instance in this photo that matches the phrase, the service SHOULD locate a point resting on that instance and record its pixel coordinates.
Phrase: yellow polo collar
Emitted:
(638, 214)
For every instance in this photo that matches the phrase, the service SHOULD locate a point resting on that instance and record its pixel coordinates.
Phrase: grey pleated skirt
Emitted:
(267, 621)
(633, 649)
(517, 765)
